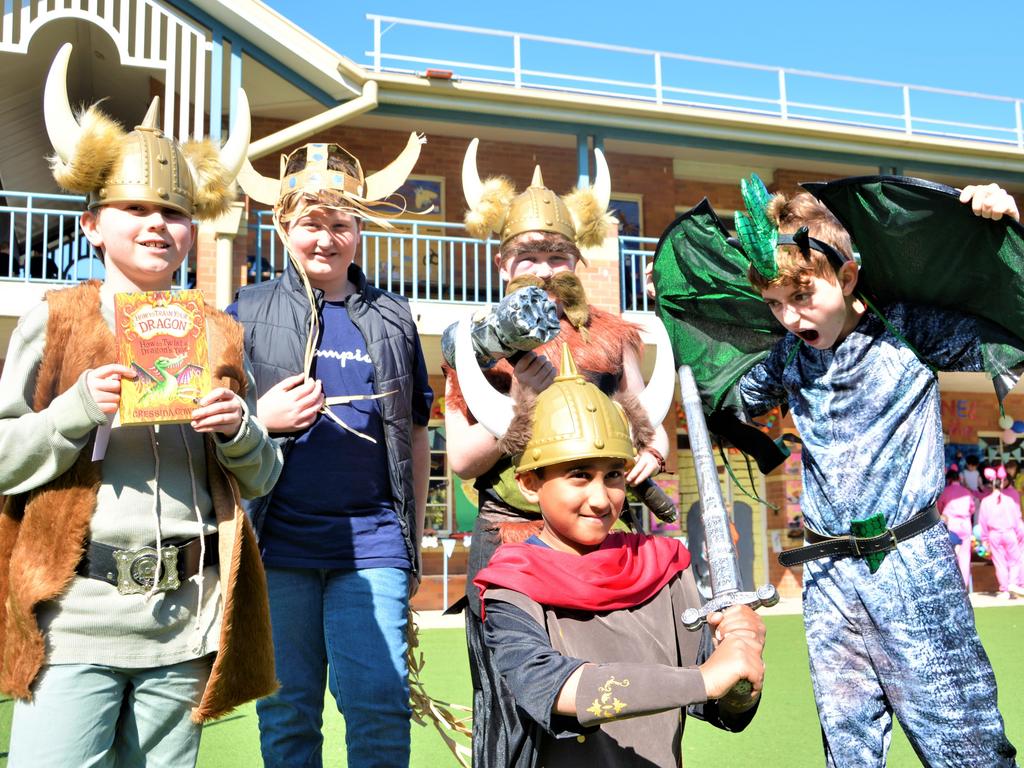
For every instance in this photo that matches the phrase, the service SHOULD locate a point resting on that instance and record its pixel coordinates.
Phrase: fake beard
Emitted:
(567, 290)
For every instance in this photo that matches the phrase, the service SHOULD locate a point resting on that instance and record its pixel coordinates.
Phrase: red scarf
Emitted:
(627, 570)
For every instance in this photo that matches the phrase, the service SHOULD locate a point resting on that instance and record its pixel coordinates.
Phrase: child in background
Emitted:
(583, 623)
(956, 504)
(1002, 531)
(970, 475)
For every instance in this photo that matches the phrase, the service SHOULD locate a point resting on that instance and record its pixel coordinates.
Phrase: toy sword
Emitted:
(723, 563)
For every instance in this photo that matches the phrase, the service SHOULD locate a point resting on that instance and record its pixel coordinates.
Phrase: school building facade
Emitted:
(672, 132)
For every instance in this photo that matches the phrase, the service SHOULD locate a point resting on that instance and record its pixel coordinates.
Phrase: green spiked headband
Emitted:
(758, 237)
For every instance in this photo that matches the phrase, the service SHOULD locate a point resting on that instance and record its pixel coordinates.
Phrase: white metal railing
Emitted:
(41, 241)
(438, 261)
(147, 33)
(660, 77)
(635, 255)
(421, 260)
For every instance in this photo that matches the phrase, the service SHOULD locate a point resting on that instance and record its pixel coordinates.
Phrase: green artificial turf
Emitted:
(785, 732)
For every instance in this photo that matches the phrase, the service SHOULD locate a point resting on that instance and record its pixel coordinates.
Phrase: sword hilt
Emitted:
(765, 596)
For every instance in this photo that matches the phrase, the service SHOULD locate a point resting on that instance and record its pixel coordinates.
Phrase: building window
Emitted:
(439, 517)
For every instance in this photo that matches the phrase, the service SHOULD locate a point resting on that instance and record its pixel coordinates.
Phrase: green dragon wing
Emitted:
(918, 243)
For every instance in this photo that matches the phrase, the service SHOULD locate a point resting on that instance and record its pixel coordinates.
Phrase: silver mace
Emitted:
(723, 563)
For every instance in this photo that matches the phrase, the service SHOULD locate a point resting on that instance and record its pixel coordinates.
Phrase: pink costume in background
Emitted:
(957, 504)
(1002, 530)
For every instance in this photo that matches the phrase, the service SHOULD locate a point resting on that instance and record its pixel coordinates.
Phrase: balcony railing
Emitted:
(432, 261)
(438, 261)
(663, 78)
(41, 241)
(635, 255)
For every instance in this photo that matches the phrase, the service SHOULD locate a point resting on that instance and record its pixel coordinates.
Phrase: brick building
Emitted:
(668, 144)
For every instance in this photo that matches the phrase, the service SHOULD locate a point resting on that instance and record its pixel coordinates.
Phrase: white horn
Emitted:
(61, 124)
(602, 188)
(384, 182)
(488, 406)
(472, 187)
(235, 150)
(657, 395)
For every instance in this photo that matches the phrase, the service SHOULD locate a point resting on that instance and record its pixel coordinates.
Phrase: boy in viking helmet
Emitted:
(109, 663)
(583, 624)
(542, 236)
(340, 534)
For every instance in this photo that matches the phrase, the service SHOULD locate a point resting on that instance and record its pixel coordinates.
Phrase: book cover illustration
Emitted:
(162, 336)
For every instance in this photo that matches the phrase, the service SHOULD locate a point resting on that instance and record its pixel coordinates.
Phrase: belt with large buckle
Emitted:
(133, 571)
(851, 546)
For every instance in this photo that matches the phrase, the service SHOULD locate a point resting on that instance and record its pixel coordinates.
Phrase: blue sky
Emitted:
(946, 43)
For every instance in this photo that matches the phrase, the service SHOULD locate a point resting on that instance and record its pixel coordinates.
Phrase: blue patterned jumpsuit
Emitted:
(901, 640)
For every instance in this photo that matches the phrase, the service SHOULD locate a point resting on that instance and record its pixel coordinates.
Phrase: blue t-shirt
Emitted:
(332, 506)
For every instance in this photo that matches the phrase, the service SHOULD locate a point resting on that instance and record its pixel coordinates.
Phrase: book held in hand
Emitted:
(162, 336)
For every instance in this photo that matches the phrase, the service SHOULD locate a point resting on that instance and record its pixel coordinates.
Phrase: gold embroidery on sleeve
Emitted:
(606, 705)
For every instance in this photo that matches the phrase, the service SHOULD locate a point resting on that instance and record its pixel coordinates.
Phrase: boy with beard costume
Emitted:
(541, 235)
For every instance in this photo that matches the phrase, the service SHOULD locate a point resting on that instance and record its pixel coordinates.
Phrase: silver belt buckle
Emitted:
(136, 569)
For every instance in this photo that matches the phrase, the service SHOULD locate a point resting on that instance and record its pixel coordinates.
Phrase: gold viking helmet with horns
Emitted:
(581, 216)
(94, 156)
(360, 194)
(572, 420)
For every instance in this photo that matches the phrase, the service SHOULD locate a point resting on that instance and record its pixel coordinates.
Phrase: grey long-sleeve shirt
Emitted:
(92, 622)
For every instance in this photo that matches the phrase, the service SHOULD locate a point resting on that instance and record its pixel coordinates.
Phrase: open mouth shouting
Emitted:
(809, 335)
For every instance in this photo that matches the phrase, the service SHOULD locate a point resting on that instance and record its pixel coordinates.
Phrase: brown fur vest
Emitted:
(43, 532)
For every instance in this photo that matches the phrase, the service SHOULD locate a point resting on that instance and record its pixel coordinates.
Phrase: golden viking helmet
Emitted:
(361, 193)
(581, 216)
(574, 420)
(94, 156)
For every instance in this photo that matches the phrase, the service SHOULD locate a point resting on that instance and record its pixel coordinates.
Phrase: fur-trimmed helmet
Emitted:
(94, 156)
(494, 206)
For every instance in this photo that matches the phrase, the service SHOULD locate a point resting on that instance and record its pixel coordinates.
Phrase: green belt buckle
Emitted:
(866, 529)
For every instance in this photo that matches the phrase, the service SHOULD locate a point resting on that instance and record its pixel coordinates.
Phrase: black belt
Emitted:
(132, 570)
(852, 546)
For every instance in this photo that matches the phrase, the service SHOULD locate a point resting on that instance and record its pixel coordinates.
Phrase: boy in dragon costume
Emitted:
(889, 627)
(134, 604)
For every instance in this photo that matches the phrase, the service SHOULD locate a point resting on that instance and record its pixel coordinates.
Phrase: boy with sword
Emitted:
(584, 623)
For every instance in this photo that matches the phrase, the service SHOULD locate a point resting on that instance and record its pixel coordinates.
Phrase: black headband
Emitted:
(802, 240)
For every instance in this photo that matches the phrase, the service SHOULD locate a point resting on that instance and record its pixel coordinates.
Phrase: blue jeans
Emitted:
(346, 629)
(92, 716)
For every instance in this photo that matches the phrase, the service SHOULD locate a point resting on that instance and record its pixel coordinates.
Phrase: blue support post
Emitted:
(236, 77)
(216, 85)
(583, 161)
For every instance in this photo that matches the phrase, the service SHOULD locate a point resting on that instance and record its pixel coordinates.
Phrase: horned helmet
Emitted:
(494, 206)
(362, 196)
(94, 156)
